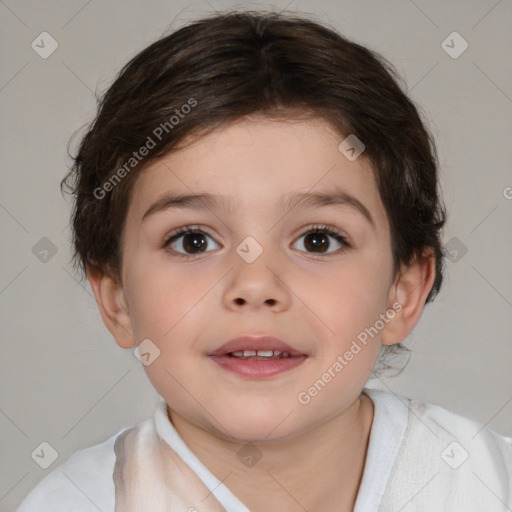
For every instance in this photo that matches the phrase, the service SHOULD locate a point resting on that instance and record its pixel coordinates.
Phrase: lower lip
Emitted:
(258, 368)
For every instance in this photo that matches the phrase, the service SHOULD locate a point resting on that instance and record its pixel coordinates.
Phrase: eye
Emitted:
(317, 240)
(191, 239)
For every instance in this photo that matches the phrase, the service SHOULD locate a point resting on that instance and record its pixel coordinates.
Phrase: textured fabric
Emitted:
(416, 462)
(149, 475)
(83, 483)
(388, 429)
(449, 463)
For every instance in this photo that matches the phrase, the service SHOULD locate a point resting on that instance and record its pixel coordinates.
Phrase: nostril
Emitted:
(271, 301)
(239, 301)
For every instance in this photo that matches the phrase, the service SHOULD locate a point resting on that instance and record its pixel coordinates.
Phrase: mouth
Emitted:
(257, 357)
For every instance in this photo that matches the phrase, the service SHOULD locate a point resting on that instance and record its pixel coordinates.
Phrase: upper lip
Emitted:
(255, 343)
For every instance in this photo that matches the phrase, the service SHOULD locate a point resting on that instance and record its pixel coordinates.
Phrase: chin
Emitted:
(258, 426)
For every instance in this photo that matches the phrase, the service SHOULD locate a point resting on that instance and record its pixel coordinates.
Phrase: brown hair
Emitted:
(233, 64)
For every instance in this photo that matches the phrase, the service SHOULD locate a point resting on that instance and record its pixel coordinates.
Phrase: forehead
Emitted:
(260, 165)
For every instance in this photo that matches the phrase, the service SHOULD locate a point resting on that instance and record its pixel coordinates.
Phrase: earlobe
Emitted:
(113, 306)
(410, 291)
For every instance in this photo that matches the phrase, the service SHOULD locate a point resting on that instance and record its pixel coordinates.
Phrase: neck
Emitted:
(319, 470)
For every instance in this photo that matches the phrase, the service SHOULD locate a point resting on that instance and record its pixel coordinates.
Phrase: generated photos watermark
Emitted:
(305, 397)
(151, 142)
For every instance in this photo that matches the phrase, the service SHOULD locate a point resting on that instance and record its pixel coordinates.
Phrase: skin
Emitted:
(312, 456)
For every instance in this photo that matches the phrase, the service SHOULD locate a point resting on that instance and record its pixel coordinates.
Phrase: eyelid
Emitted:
(313, 227)
(332, 230)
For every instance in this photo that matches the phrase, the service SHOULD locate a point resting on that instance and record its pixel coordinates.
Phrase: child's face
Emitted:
(300, 289)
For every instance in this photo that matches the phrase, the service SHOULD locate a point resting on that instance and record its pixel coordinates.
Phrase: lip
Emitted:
(254, 368)
(255, 343)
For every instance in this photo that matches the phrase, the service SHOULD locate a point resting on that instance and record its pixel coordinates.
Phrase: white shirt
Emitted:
(421, 457)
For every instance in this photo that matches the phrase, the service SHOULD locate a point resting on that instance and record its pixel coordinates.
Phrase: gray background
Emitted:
(63, 378)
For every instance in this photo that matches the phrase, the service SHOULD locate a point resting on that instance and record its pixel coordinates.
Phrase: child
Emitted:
(257, 212)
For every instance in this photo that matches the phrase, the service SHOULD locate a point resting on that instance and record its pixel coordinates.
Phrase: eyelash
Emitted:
(329, 230)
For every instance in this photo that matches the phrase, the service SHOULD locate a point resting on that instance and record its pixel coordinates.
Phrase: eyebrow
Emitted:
(207, 201)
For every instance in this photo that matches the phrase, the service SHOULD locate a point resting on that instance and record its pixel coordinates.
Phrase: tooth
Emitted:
(276, 352)
(285, 354)
(249, 353)
(265, 353)
(238, 354)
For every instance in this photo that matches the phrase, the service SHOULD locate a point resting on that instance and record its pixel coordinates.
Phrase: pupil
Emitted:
(198, 242)
(317, 239)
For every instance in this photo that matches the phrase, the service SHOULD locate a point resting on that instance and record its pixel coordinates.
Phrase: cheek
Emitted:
(172, 308)
(158, 300)
(350, 308)
(351, 296)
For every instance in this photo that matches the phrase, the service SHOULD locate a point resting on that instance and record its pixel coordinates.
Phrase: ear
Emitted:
(408, 295)
(113, 306)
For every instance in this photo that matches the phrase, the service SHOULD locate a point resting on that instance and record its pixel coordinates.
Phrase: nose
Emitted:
(257, 285)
